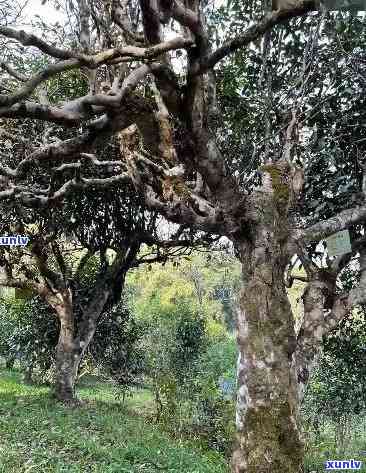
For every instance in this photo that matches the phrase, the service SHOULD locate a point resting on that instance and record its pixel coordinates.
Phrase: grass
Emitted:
(320, 448)
(37, 435)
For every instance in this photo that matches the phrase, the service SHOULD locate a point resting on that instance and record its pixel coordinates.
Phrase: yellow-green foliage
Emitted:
(160, 289)
(215, 330)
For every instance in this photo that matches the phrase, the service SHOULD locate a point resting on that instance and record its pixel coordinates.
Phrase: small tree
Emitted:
(77, 262)
(29, 333)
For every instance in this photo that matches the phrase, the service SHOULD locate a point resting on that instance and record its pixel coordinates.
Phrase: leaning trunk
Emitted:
(110, 288)
(313, 327)
(90, 316)
(269, 439)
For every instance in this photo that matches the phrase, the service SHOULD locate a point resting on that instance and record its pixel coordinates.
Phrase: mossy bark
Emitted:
(269, 439)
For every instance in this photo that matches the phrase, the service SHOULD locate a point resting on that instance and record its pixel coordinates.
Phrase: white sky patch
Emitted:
(50, 15)
(47, 12)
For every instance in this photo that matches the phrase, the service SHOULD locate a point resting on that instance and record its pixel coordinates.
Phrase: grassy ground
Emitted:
(37, 435)
(324, 446)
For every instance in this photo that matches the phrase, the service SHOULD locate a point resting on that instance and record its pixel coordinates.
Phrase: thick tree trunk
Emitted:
(67, 358)
(269, 439)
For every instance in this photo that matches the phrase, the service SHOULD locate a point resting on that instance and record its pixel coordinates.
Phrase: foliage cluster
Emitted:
(338, 387)
(29, 335)
(190, 351)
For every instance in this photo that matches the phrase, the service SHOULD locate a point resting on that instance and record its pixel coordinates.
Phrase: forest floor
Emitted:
(103, 436)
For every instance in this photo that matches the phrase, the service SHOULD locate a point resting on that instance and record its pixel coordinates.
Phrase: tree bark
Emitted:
(67, 358)
(72, 347)
(310, 337)
(267, 416)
